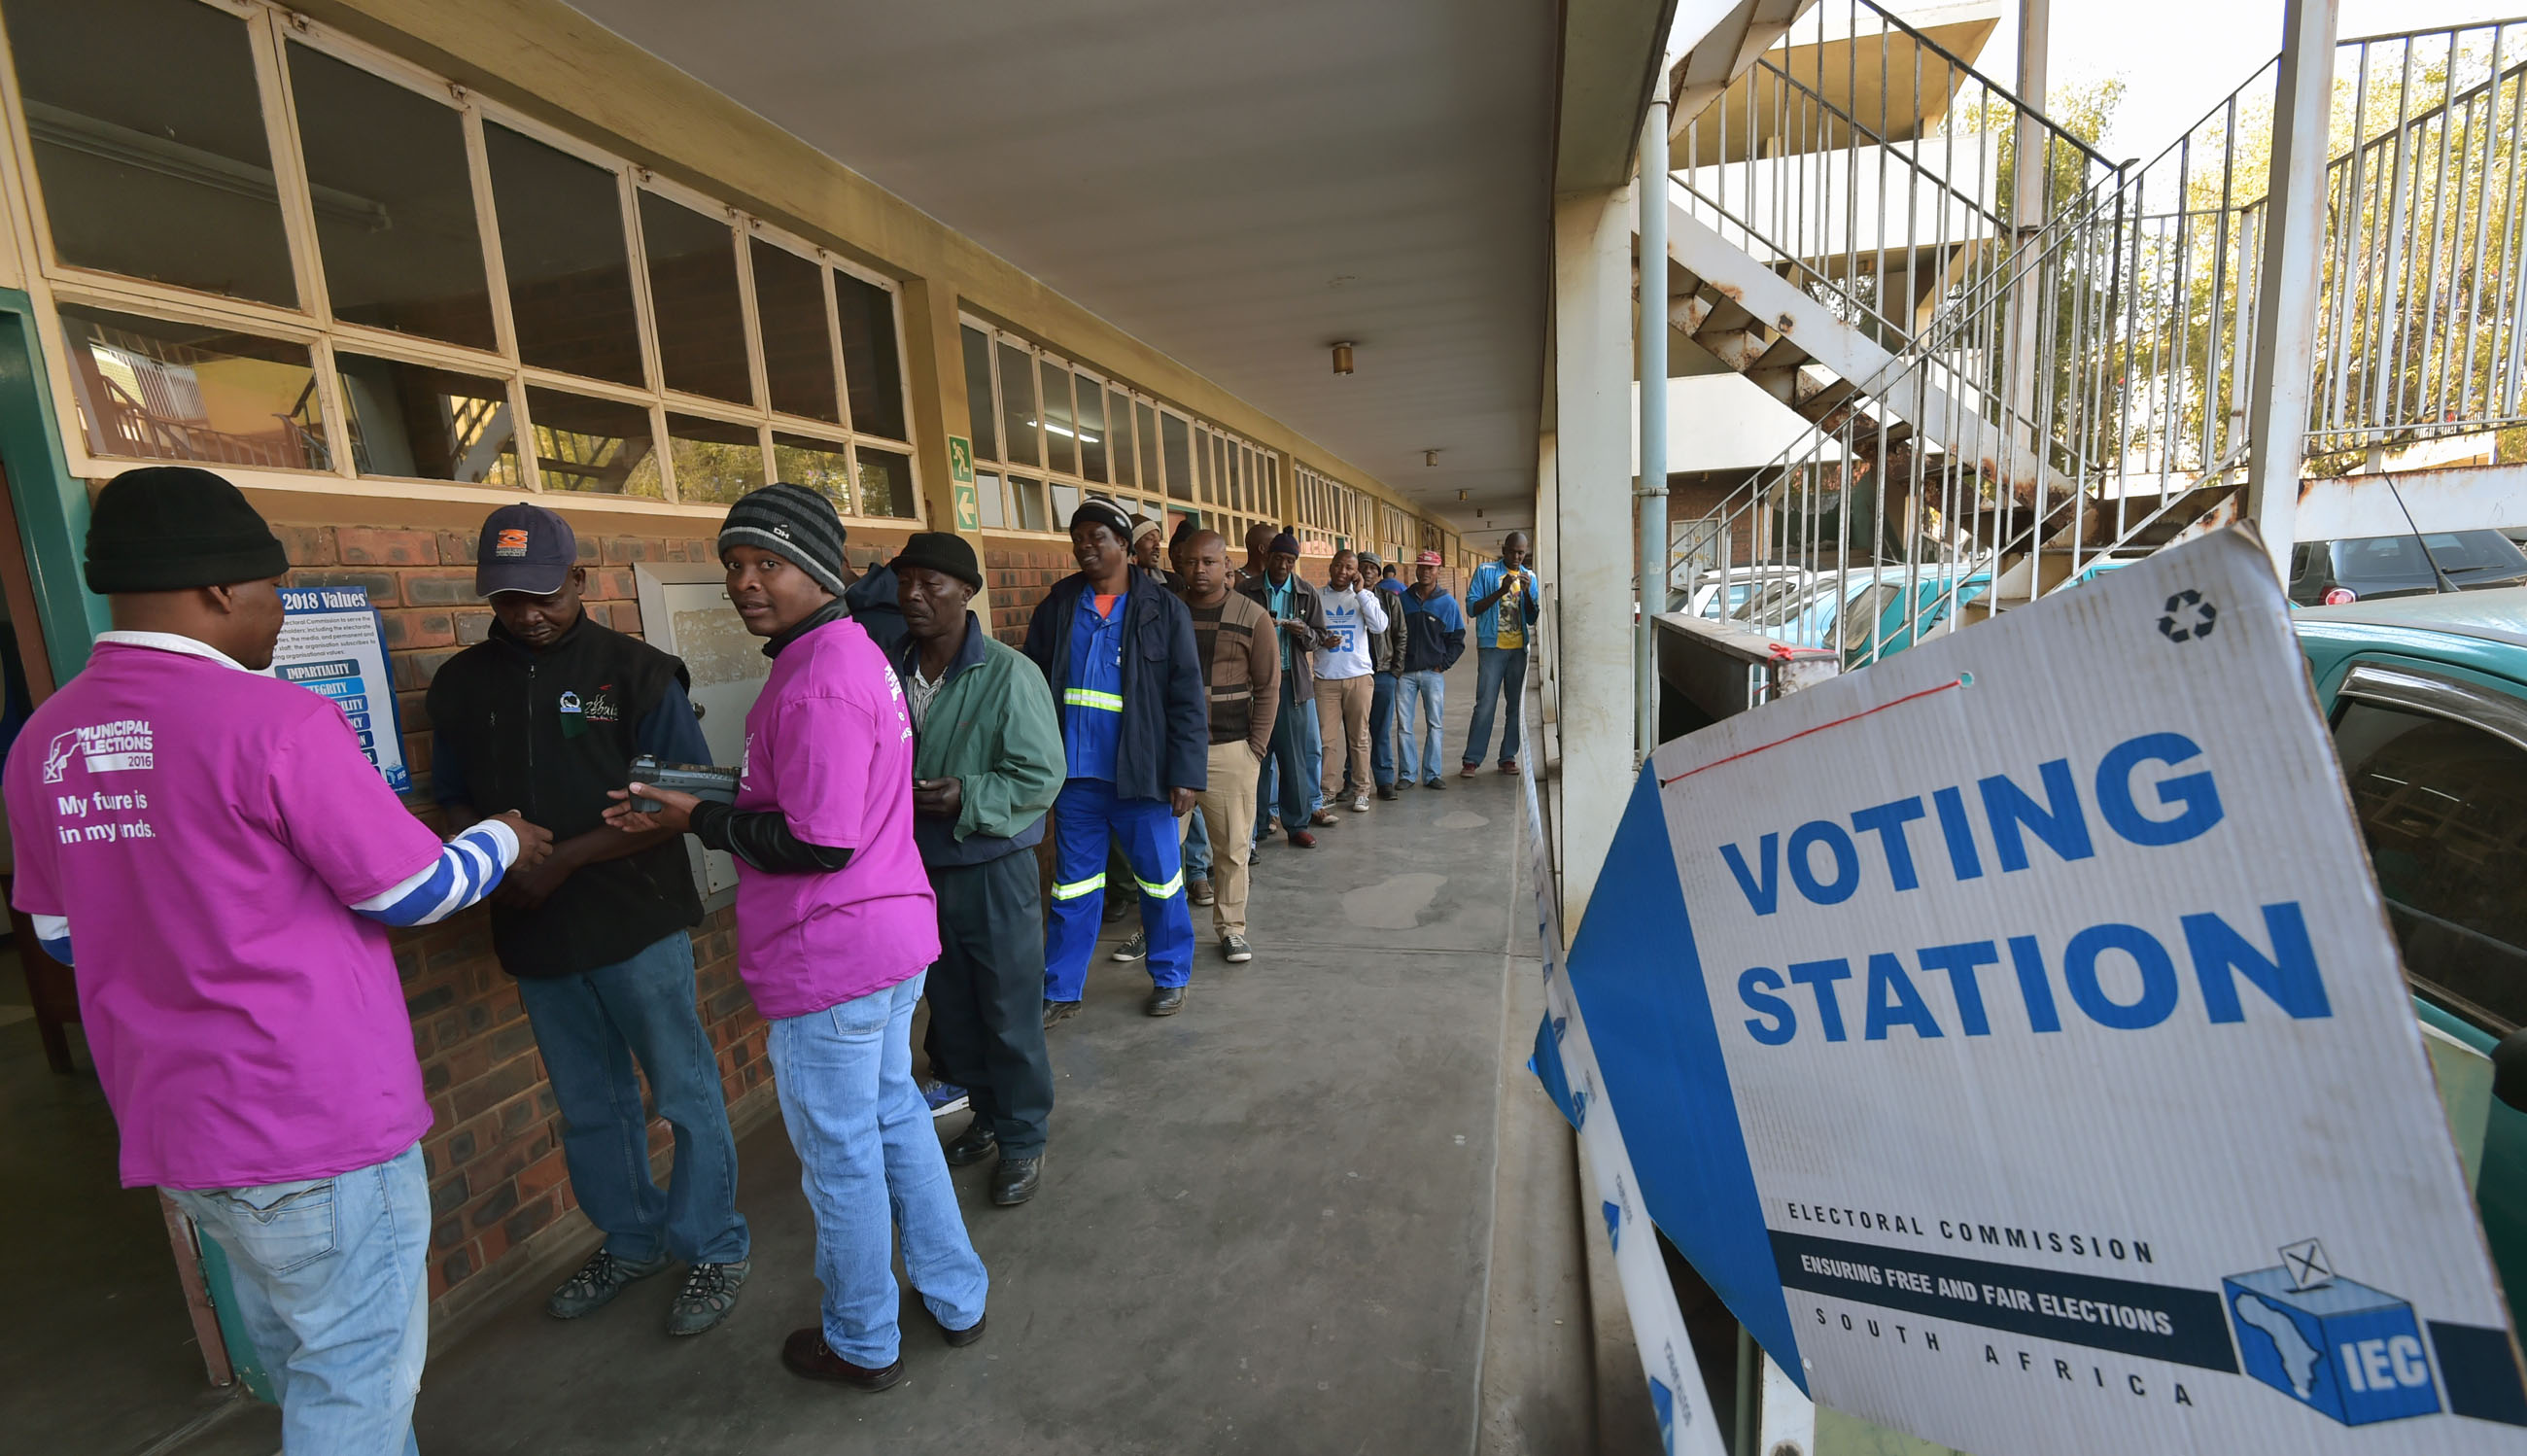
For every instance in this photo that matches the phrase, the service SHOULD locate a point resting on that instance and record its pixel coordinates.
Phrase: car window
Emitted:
(2443, 808)
(2370, 565)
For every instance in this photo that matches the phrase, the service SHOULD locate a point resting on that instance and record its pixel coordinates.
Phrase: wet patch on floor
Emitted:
(1396, 902)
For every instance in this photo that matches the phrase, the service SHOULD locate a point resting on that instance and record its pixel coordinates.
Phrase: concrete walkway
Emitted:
(1267, 1222)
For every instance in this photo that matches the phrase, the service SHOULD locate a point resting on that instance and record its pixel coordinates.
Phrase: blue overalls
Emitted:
(1088, 814)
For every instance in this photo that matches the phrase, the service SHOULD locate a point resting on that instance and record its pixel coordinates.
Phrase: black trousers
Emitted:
(986, 995)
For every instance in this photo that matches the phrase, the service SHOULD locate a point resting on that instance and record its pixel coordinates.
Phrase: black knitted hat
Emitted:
(1106, 513)
(164, 528)
(794, 522)
(938, 550)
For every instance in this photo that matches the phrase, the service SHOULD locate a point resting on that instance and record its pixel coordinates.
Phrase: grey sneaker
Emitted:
(1360, 803)
(1234, 949)
(709, 1293)
(596, 1283)
(1135, 948)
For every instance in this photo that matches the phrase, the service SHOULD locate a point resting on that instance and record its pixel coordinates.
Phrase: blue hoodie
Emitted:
(1434, 632)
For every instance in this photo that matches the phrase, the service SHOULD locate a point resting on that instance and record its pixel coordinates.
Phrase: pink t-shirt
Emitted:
(829, 744)
(202, 828)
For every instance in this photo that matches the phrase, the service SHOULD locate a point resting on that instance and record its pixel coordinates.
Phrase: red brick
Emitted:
(441, 585)
(419, 629)
(367, 545)
(457, 547)
(380, 584)
(623, 550)
(624, 616)
(308, 545)
(473, 626)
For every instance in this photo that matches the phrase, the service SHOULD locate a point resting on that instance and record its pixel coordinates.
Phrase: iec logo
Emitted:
(2353, 1352)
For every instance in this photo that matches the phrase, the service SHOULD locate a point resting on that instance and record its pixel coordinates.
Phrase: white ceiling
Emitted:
(1238, 185)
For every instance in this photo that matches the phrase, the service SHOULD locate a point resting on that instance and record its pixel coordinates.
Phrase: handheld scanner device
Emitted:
(700, 780)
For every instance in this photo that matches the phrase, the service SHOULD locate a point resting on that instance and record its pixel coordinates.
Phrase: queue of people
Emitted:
(902, 770)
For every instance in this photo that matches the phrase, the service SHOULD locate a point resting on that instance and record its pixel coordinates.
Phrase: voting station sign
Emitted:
(333, 644)
(2011, 1032)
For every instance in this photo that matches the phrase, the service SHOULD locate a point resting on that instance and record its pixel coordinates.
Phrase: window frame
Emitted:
(271, 29)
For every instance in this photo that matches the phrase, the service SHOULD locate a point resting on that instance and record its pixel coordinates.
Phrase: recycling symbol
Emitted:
(2188, 617)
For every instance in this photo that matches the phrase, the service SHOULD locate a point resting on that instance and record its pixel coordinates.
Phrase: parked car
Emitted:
(1715, 595)
(2428, 700)
(1898, 601)
(2330, 573)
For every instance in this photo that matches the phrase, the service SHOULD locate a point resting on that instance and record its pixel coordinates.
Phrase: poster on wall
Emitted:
(2012, 1033)
(333, 643)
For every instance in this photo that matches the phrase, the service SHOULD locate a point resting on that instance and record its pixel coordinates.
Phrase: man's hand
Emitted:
(1183, 800)
(535, 840)
(678, 814)
(527, 886)
(1329, 640)
(1296, 628)
(943, 799)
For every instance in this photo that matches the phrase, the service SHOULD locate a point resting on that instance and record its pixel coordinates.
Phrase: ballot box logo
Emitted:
(106, 746)
(511, 541)
(2333, 1344)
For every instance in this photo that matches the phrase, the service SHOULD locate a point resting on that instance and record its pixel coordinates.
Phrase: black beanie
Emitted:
(164, 528)
(794, 522)
(938, 550)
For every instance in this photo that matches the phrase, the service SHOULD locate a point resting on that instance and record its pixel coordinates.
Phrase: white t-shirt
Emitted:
(1354, 617)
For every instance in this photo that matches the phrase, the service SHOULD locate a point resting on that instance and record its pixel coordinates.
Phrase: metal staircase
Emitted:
(2009, 395)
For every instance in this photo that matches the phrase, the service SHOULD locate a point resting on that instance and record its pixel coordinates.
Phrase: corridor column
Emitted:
(1592, 530)
(934, 360)
(2285, 357)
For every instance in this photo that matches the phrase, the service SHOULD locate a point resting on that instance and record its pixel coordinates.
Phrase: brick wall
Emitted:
(1019, 576)
(493, 1150)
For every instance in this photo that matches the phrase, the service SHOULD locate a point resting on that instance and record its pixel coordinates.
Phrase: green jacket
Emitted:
(991, 728)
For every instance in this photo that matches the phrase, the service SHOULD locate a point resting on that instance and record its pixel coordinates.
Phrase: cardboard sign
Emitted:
(2011, 1032)
(333, 643)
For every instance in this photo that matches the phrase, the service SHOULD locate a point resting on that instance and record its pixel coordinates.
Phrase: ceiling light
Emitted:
(1461, 494)
(1057, 430)
(1429, 459)
(1342, 358)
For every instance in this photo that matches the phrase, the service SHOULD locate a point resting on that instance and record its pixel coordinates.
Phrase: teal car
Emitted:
(2427, 697)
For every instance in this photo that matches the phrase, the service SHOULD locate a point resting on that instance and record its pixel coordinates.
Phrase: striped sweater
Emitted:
(1241, 669)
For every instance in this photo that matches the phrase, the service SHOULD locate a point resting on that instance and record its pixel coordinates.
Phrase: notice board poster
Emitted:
(333, 643)
(2013, 1034)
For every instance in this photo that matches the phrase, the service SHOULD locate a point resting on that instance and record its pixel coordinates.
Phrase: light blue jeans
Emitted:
(1428, 691)
(1500, 686)
(872, 1168)
(332, 1283)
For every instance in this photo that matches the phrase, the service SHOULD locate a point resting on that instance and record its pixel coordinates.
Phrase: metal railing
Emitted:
(2090, 389)
(1878, 185)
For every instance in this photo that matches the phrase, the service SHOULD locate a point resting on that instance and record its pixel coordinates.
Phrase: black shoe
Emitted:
(1013, 1184)
(596, 1283)
(1135, 948)
(1434, 784)
(1057, 1012)
(709, 1293)
(1165, 1001)
(973, 1144)
(1386, 790)
(805, 1353)
(960, 1338)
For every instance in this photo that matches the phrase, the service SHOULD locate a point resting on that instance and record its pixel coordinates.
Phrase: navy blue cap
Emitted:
(524, 549)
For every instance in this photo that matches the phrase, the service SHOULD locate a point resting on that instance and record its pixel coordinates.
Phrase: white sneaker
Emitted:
(1359, 804)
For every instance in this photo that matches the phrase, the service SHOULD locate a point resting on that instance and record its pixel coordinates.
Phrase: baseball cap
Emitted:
(524, 549)
(1428, 558)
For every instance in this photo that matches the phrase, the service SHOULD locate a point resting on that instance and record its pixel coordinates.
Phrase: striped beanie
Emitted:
(794, 522)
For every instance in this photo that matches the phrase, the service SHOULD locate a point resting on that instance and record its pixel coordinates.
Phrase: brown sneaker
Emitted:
(1465, 770)
(1199, 891)
(1323, 817)
(805, 1353)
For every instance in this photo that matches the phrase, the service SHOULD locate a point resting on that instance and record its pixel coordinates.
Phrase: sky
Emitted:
(2177, 58)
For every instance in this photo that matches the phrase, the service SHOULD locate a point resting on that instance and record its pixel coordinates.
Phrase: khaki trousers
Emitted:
(1342, 715)
(1228, 815)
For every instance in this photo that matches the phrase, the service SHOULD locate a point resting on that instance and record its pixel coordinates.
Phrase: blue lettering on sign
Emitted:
(2119, 976)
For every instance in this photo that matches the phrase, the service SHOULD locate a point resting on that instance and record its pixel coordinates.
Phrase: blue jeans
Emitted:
(1196, 848)
(1426, 690)
(872, 1168)
(591, 1026)
(1278, 783)
(1381, 729)
(1499, 683)
(332, 1283)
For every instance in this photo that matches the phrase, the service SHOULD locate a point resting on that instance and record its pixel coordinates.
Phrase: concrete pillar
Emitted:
(2285, 348)
(1649, 345)
(1592, 384)
(934, 367)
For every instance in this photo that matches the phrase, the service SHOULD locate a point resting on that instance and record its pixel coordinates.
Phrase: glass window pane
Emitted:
(798, 352)
(1060, 427)
(594, 445)
(978, 395)
(1027, 497)
(1118, 409)
(1144, 430)
(413, 420)
(1271, 503)
(694, 300)
(869, 365)
(561, 240)
(988, 500)
(394, 202)
(1205, 448)
(886, 484)
(821, 465)
(1017, 407)
(1179, 455)
(157, 390)
(715, 461)
(1091, 429)
(149, 143)
(1066, 499)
